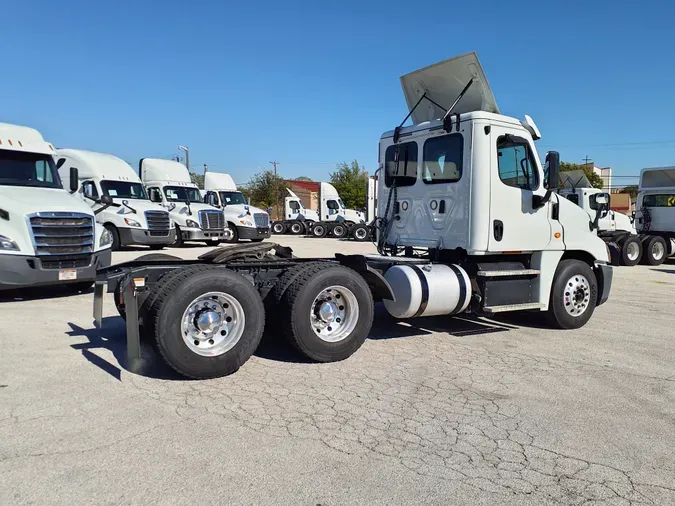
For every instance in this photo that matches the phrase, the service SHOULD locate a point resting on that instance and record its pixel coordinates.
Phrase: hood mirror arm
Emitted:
(126, 204)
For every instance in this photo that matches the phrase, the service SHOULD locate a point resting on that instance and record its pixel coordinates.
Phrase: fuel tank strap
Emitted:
(424, 285)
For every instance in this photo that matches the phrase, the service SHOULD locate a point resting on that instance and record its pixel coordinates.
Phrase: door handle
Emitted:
(498, 230)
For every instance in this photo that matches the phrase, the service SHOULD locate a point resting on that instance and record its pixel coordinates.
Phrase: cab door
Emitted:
(516, 176)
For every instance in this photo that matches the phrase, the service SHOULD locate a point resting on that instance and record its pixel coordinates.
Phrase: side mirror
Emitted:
(552, 169)
(74, 181)
(106, 199)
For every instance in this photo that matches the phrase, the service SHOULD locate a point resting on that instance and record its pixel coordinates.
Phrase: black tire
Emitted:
(179, 238)
(278, 227)
(568, 272)
(157, 247)
(177, 294)
(297, 228)
(340, 230)
(235, 235)
(628, 246)
(115, 236)
(296, 305)
(117, 294)
(649, 256)
(319, 230)
(360, 233)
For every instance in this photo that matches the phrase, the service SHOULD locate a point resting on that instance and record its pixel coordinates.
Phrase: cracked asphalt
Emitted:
(430, 411)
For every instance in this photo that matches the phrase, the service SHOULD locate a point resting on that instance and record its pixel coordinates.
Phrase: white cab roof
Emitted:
(328, 191)
(21, 138)
(219, 181)
(657, 177)
(97, 165)
(156, 169)
(443, 82)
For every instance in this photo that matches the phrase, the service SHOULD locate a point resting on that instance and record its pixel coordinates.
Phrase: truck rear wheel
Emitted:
(297, 228)
(319, 230)
(574, 295)
(631, 251)
(360, 233)
(210, 326)
(654, 250)
(327, 313)
(278, 227)
(339, 230)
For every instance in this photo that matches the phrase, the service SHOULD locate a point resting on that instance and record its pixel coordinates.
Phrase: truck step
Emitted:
(512, 307)
(507, 273)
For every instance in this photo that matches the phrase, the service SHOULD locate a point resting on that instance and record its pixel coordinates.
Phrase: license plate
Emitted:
(67, 274)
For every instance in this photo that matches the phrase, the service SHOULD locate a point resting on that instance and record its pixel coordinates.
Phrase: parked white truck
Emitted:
(133, 219)
(242, 220)
(168, 183)
(46, 236)
(334, 218)
(468, 220)
(630, 244)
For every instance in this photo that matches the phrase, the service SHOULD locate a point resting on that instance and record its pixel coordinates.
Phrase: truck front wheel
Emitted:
(631, 251)
(327, 313)
(208, 324)
(574, 295)
(115, 236)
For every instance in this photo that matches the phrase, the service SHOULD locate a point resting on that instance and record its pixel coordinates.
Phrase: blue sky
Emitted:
(313, 83)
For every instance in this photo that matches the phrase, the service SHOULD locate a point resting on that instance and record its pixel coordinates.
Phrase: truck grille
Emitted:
(261, 220)
(211, 220)
(66, 262)
(62, 234)
(158, 222)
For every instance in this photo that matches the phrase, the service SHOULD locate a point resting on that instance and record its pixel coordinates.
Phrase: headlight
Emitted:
(7, 244)
(246, 222)
(131, 223)
(192, 224)
(106, 238)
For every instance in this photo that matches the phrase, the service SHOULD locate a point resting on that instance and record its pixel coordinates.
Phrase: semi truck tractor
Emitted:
(629, 244)
(334, 218)
(168, 183)
(468, 221)
(47, 237)
(132, 219)
(242, 220)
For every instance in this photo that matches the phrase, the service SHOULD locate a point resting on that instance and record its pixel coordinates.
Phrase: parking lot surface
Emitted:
(431, 411)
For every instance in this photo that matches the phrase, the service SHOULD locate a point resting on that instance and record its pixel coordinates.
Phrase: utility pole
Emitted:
(276, 197)
(586, 160)
(187, 156)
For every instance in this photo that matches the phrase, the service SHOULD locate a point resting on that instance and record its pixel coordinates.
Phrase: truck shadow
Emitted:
(666, 271)
(112, 338)
(39, 293)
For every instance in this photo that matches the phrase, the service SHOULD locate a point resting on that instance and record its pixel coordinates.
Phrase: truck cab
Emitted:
(655, 210)
(331, 207)
(244, 221)
(132, 219)
(47, 237)
(168, 184)
(294, 209)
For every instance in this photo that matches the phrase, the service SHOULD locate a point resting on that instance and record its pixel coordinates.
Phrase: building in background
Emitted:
(307, 191)
(604, 172)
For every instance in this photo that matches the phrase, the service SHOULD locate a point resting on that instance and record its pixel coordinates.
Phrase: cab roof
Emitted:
(157, 169)
(100, 165)
(22, 138)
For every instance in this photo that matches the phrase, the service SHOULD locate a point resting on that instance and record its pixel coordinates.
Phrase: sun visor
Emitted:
(443, 82)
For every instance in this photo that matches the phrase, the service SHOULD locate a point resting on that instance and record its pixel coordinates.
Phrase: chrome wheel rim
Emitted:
(360, 233)
(339, 230)
(295, 228)
(212, 324)
(318, 230)
(632, 251)
(278, 228)
(334, 314)
(658, 251)
(577, 295)
(228, 233)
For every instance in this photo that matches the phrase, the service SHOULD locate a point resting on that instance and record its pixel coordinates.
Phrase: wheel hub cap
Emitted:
(577, 295)
(208, 321)
(212, 324)
(334, 314)
(657, 251)
(327, 312)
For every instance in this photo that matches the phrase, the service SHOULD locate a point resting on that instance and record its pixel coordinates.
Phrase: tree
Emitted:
(197, 179)
(351, 182)
(595, 180)
(267, 189)
(303, 178)
(632, 189)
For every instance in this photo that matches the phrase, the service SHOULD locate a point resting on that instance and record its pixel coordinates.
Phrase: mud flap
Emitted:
(133, 335)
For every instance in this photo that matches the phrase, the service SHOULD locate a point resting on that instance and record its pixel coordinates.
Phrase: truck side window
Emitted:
(660, 200)
(333, 206)
(573, 197)
(295, 206)
(516, 163)
(406, 154)
(443, 159)
(89, 189)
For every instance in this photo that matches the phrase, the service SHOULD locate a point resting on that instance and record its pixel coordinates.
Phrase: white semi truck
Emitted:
(46, 236)
(168, 183)
(242, 220)
(132, 219)
(630, 244)
(334, 218)
(468, 220)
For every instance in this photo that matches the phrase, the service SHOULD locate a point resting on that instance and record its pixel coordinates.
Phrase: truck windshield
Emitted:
(28, 169)
(228, 198)
(342, 204)
(124, 189)
(181, 194)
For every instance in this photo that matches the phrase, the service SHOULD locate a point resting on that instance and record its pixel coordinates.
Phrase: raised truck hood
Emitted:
(443, 82)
